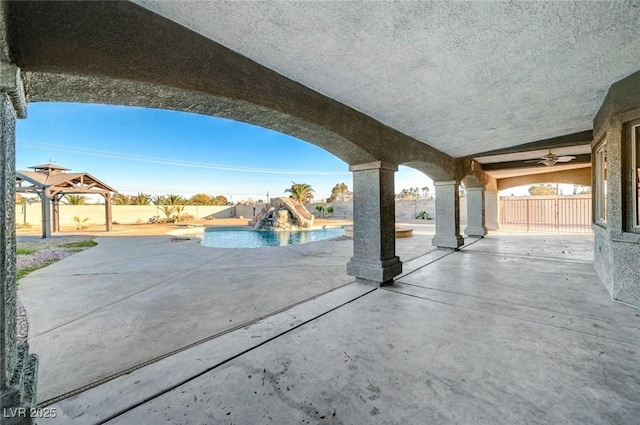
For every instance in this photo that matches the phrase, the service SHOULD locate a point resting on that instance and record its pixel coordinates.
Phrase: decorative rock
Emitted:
(284, 214)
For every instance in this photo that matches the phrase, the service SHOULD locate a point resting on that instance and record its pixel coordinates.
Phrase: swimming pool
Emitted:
(249, 238)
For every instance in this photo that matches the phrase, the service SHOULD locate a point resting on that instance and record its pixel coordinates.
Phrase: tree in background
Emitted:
(340, 192)
(140, 199)
(201, 199)
(220, 200)
(157, 200)
(172, 199)
(120, 199)
(543, 189)
(75, 200)
(301, 192)
(19, 199)
(411, 193)
(425, 192)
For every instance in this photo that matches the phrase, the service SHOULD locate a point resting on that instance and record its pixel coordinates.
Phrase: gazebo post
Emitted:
(107, 206)
(56, 212)
(46, 213)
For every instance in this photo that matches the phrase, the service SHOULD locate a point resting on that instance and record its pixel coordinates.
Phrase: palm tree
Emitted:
(121, 199)
(75, 199)
(141, 199)
(172, 199)
(157, 200)
(301, 192)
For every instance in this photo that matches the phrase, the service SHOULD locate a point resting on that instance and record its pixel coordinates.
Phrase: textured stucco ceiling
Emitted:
(464, 77)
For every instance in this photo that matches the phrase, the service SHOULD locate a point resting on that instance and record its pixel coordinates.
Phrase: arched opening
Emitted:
(161, 64)
(142, 292)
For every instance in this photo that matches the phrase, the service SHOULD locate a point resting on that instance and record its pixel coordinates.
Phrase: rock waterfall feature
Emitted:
(284, 214)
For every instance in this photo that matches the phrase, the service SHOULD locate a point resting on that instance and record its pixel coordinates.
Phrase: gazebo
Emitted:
(51, 182)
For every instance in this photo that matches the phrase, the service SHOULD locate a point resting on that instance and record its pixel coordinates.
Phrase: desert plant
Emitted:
(185, 217)
(423, 215)
(80, 222)
(178, 213)
(320, 210)
(168, 211)
(330, 211)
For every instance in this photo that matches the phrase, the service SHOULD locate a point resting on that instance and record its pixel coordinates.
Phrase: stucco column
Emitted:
(447, 215)
(18, 369)
(374, 244)
(475, 212)
(491, 209)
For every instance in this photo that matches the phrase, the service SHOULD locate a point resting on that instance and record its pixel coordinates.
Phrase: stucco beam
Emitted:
(580, 176)
(579, 159)
(567, 140)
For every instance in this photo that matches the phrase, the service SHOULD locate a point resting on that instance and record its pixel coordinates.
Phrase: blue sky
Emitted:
(158, 152)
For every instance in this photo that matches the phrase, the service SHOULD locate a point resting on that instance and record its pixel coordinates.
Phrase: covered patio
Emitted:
(510, 329)
(480, 93)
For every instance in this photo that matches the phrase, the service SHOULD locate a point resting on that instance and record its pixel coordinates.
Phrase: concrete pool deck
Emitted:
(130, 300)
(511, 329)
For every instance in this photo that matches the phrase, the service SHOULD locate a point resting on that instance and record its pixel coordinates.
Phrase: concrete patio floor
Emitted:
(512, 329)
(131, 300)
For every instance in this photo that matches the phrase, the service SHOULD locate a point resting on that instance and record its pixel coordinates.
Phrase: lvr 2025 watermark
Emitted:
(23, 412)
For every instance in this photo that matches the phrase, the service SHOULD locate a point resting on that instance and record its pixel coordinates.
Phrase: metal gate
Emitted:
(570, 214)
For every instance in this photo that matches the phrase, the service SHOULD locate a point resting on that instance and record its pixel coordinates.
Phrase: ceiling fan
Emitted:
(551, 159)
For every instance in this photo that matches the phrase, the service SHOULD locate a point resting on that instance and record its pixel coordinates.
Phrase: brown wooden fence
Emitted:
(546, 213)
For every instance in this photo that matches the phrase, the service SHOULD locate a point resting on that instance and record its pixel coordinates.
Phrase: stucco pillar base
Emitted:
(475, 212)
(18, 368)
(447, 215)
(378, 273)
(491, 209)
(19, 397)
(374, 243)
(454, 242)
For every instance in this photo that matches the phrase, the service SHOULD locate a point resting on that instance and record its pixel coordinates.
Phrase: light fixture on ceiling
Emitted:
(551, 159)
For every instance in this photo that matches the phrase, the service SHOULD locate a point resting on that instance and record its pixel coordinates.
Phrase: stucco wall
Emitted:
(123, 214)
(617, 245)
(405, 209)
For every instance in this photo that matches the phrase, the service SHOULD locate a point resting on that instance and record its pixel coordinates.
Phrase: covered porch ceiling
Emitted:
(464, 77)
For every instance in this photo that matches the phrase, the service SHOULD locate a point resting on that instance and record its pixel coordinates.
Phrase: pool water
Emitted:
(249, 238)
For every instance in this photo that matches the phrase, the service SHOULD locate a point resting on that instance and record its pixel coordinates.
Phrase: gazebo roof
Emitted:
(49, 166)
(54, 178)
